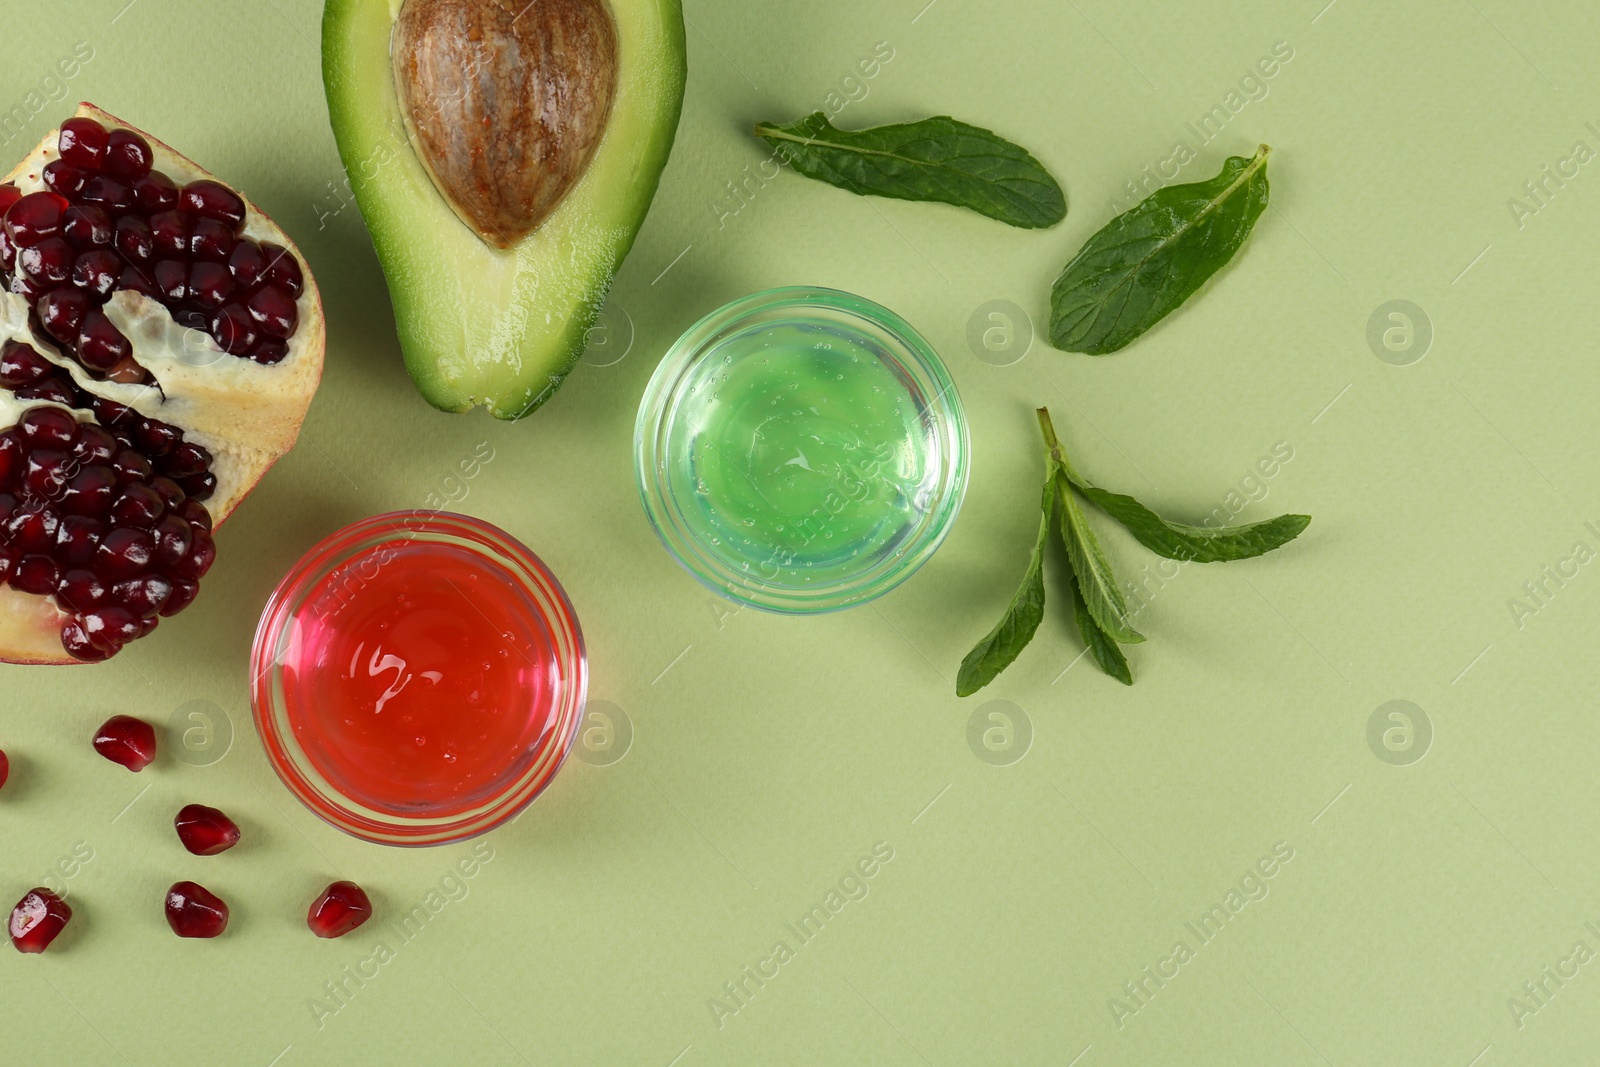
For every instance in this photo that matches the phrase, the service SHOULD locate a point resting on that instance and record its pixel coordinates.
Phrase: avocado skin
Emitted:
(480, 327)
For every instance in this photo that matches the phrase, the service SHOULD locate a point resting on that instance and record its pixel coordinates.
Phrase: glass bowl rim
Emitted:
(663, 391)
(352, 542)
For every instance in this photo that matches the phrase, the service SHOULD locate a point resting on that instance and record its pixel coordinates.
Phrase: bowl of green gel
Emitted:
(801, 450)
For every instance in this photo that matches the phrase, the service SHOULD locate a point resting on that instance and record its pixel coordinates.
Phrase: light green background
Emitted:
(770, 754)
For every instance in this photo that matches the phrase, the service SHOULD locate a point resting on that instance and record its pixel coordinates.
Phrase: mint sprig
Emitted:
(1098, 605)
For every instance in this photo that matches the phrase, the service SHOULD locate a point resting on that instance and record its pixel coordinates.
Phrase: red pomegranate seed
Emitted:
(283, 270)
(183, 594)
(173, 538)
(114, 196)
(126, 740)
(126, 553)
(36, 574)
(341, 908)
(46, 473)
(248, 264)
(202, 554)
(156, 439)
(134, 240)
(83, 143)
(101, 345)
(139, 280)
(90, 492)
(97, 271)
(86, 226)
(37, 920)
(205, 831)
(128, 155)
(210, 284)
(234, 329)
(5, 769)
(171, 277)
(63, 178)
(22, 365)
(195, 911)
(170, 231)
(212, 200)
(47, 263)
(130, 466)
(34, 218)
(47, 428)
(9, 194)
(187, 458)
(138, 506)
(95, 444)
(211, 240)
(144, 597)
(81, 590)
(61, 313)
(155, 192)
(274, 312)
(76, 641)
(77, 538)
(269, 352)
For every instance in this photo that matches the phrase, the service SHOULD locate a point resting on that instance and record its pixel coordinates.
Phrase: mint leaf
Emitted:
(1097, 585)
(1016, 628)
(1151, 258)
(1200, 544)
(935, 159)
(1105, 651)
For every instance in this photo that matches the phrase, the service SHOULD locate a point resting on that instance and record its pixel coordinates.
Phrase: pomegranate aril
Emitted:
(34, 218)
(94, 444)
(234, 329)
(156, 439)
(77, 538)
(205, 831)
(145, 596)
(47, 428)
(86, 226)
(211, 240)
(212, 200)
(32, 529)
(5, 769)
(101, 345)
(21, 365)
(36, 574)
(108, 193)
(274, 311)
(52, 389)
(76, 641)
(269, 352)
(130, 466)
(83, 143)
(139, 281)
(47, 263)
(90, 492)
(195, 514)
(61, 313)
(9, 194)
(210, 284)
(248, 264)
(128, 155)
(283, 270)
(134, 239)
(168, 490)
(195, 911)
(341, 908)
(170, 231)
(10, 458)
(171, 277)
(139, 506)
(200, 486)
(80, 590)
(186, 458)
(183, 594)
(97, 271)
(201, 555)
(173, 538)
(126, 552)
(155, 192)
(63, 178)
(37, 920)
(123, 739)
(47, 473)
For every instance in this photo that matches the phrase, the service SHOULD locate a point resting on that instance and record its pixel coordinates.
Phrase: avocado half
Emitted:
(490, 315)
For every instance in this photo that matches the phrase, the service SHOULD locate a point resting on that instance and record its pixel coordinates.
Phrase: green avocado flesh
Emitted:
(478, 325)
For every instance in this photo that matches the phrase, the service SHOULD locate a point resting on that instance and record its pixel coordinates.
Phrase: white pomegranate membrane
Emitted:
(102, 508)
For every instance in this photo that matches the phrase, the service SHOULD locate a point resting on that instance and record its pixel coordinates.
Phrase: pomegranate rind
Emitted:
(246, 414)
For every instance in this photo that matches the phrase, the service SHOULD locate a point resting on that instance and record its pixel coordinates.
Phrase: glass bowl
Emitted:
(401, 712)
(801, 450)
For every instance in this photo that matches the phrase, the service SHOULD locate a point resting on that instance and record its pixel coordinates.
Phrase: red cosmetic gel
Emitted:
(420, 677)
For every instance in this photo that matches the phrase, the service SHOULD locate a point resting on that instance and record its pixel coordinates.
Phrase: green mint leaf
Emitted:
(1016, 628)
(1151, 258)
(935, 159)
(1200, 544)
(1105, 651)
(1090, 568)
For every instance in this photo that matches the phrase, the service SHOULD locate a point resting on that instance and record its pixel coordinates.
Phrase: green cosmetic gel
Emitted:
(805, 451)
(801, 450)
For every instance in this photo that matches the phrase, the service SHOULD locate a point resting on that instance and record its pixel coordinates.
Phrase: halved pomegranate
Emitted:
(160, 342)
